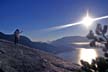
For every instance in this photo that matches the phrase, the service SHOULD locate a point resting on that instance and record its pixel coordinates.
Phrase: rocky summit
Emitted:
(20, 58)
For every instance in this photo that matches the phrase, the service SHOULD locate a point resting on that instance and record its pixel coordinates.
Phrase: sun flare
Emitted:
(87, 20)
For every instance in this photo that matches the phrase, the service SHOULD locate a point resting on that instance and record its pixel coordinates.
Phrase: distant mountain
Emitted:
(69, 42)
(26, 41)
(22, 58)
(57, 46)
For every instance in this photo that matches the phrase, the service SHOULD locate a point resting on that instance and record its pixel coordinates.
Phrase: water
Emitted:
(81, 54)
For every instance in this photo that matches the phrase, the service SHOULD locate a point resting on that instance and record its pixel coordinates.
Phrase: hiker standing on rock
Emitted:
(17, 36)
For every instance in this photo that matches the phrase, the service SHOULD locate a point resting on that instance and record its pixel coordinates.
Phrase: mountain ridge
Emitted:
(26, 41)
(57, 46)
(68, 42)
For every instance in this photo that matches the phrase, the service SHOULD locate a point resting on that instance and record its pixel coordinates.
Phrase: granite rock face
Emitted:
(20, 58)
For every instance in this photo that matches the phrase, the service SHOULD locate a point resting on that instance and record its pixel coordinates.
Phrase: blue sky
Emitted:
(31, 16)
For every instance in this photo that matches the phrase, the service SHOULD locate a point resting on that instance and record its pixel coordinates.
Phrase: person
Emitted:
(17, 36)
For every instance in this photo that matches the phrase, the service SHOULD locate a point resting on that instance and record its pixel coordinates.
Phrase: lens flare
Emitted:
(103, 17)
(63, 26)
(87, 21)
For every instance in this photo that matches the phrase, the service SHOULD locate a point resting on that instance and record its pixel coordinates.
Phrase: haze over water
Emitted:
(81, 54)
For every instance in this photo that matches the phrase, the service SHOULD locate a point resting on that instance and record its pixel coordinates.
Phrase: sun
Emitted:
(87, 20)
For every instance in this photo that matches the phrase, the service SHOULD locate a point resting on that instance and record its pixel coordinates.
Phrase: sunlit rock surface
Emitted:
(21, 58)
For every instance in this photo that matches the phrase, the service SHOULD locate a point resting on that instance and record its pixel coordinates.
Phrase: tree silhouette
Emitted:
(100, 64)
